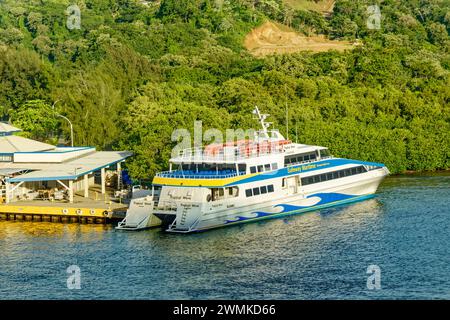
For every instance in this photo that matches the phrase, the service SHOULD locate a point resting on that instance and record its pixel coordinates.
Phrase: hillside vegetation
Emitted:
(323, 6)
(137, 70)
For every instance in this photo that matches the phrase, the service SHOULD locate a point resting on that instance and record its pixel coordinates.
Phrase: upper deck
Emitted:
(205, 164)
(267, 151)
(229, 152)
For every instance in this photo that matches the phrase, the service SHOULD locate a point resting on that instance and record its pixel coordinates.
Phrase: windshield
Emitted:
(325, 153)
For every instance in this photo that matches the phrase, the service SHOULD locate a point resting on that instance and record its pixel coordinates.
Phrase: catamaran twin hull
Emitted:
(292, 199)
(249, 180)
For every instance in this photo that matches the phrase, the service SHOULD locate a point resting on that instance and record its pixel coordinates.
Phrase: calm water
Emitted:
(318, 255)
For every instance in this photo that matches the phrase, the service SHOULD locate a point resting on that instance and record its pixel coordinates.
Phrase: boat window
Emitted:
(186, 167)
(325, 153)
(259, 190)
(215, 194)
(260, 168)
(299, 158)
(274, 166)
(307, 180)
(221, 193)
(6, 158)
(252, 169)
(267, 167)
(233, 192)
(209, 169)
(333, 175)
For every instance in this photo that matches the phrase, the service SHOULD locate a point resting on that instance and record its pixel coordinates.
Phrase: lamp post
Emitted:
(65, 118)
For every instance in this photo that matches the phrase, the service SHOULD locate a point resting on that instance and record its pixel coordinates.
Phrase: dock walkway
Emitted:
(82, 210)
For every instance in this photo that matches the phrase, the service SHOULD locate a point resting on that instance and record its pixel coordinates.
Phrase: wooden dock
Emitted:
(61, 213)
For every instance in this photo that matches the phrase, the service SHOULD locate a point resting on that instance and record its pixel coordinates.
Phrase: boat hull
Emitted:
(320, 198)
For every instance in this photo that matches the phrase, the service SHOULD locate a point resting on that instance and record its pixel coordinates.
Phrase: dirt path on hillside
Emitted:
(271, 38)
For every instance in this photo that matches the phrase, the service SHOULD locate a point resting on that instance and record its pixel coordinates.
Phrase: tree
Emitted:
(23, 76)
(437, 32)
(36, 119)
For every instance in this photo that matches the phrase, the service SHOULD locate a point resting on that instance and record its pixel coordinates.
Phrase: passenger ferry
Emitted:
(251, 180)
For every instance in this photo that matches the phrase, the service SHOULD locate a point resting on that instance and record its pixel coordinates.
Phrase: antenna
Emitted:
(287, 112)
(262, 117)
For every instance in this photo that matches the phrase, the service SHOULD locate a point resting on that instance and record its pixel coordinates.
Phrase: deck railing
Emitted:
(223, 153)
(184, 175)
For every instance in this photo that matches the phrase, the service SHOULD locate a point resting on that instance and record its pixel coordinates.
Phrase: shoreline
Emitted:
(425, 172)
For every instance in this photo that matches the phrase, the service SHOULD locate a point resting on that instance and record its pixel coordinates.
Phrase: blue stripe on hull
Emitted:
(301, 168)
(327, 200)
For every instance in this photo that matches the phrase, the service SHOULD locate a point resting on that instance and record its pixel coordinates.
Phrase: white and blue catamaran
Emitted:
(267, 177)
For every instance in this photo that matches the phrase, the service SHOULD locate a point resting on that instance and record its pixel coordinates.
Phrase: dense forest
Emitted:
(129, 72)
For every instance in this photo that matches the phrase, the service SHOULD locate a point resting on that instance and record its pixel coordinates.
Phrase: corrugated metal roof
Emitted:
(69, 170)
(6, 127)
(12, 144)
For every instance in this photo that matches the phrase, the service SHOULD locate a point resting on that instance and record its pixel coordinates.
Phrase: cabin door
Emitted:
(292, 185)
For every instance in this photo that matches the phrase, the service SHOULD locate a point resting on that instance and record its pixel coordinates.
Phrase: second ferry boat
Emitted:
(267, 177)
